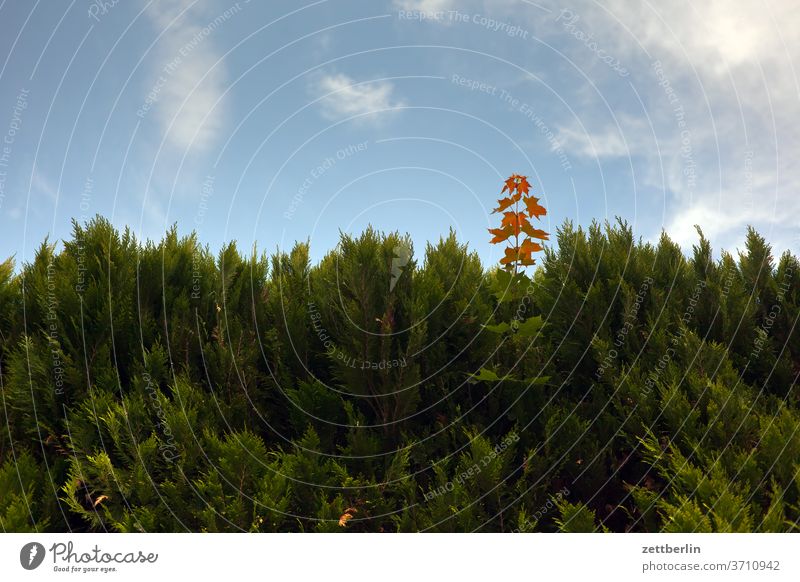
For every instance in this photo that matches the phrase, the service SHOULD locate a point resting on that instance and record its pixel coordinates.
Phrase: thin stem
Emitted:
(516, 236)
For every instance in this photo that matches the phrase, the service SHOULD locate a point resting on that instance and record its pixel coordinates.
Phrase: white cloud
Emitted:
(732, 67)
(627, 136)
(41, 185)
(715, 224)
(189, 77)
(711, 36)
(15, 213)
(342, 97)
(426, 6)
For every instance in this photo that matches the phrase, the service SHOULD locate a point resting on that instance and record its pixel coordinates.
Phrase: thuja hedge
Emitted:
(619, 386)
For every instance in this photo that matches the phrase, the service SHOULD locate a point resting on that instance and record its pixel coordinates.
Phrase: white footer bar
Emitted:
(388, 557)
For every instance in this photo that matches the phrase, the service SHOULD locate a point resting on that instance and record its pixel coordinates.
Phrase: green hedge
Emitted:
(622, 386)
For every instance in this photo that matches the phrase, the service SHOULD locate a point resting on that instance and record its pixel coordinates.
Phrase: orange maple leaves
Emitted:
(516, 223)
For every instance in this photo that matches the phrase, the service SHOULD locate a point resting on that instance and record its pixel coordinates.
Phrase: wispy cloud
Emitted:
(627, 136)
(42, 186)
(728, 156)
(343, 97)
(722, 135)
(188, 74)
(426, 6)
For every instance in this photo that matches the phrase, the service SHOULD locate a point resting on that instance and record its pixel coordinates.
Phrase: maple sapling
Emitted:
(515, 228)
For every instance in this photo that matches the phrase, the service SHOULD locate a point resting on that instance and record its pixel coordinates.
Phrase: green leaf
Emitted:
(508, 287)
(541, 380)
(530, 327)
(485, 375)
(501, 327)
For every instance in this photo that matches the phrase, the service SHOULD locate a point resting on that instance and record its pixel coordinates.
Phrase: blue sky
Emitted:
(286, 120)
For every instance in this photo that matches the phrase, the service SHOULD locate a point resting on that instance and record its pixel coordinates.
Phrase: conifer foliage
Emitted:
(619, 386)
